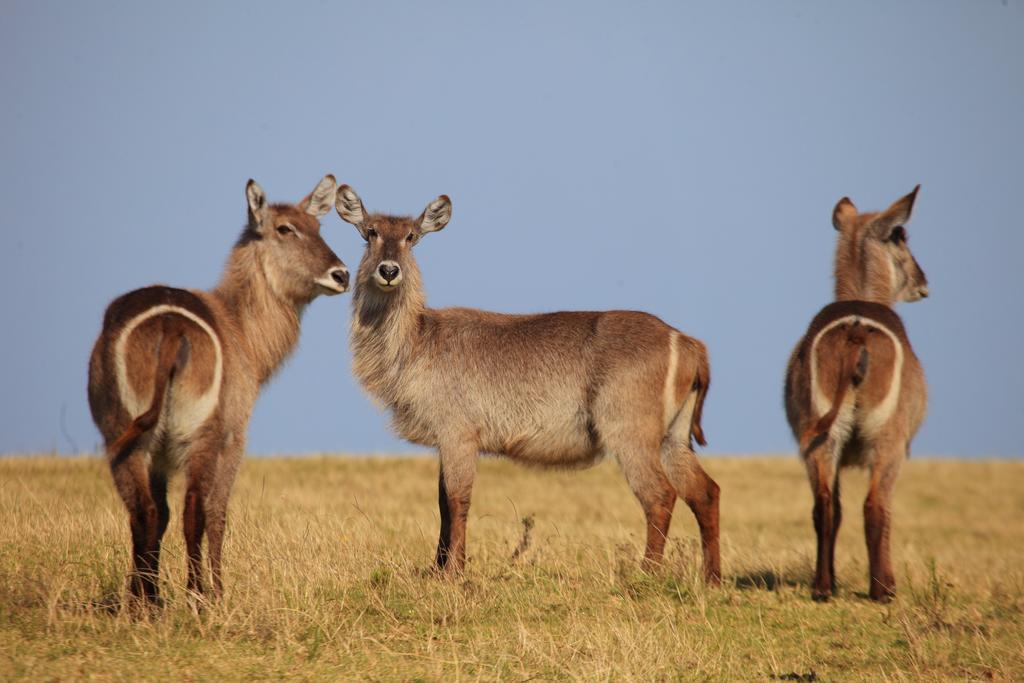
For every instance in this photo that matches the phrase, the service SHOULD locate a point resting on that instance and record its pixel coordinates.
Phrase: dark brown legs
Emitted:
(821, 471)
(455, 488)
(132, 482)
(702, 497)
(144, 492)
(701, 494)
(876, 529)
(145, 496)
(657, 496)
(216, 515)
(445, 538)
(649, 483)
(194, 526)
(837, 518)
(158, 489)
(206, 495)
(824, 479)
(657, 504)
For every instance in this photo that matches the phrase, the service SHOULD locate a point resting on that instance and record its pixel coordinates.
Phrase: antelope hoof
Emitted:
(448, 569)
(649, 566)
(143, 609)
(451, 571)
(882, 595)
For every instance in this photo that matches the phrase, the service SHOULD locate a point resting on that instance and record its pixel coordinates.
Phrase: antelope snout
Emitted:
(340, 275)
(388, 274)
(922, 291)
(335, 281)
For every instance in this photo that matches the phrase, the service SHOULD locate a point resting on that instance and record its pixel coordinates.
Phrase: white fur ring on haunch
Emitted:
(175, 373)
(855, 392)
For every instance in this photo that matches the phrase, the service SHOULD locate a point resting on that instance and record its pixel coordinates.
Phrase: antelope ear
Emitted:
(318, 202)
(436, 215)
(895, 216)
(844, 212)
(350, 208)
(257, 199)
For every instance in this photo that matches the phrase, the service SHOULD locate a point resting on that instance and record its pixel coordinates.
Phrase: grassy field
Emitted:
(326, 578)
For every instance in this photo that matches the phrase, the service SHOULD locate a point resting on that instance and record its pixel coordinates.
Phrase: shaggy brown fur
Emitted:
(855, 392)
(555, 389)
(174, 375)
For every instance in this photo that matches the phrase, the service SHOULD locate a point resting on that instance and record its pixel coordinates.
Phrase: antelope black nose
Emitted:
(388, 271)
(340, 275)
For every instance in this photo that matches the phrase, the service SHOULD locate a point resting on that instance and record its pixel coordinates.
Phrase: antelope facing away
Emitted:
(175, 373)
(555, 389)
(855, 392)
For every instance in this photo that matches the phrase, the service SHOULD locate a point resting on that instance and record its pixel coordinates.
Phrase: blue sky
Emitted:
(677, 158)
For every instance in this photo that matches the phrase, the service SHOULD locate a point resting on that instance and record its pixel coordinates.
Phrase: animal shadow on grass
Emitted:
(113, 605)
(769, 580)
(108, 603)
(114, 600)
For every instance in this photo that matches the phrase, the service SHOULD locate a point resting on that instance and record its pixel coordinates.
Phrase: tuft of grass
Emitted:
(328, 575)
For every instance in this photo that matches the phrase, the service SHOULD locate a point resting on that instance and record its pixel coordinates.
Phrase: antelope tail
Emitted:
(171, 356)
(700, 384)
(854, 368)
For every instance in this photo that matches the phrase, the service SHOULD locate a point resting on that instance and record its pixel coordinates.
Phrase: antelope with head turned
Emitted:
(174, 375)
(855, 392)
(554, 389)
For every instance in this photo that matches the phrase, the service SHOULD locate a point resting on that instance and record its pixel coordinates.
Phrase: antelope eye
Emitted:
(370, 233)
(285, 229)
(411, 238)
(898, 235)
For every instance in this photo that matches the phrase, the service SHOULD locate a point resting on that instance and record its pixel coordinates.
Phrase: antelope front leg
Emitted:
(445, 537)
(218, 506)
(202, 463)
(877, 525)
(194, 526)
(455, 488)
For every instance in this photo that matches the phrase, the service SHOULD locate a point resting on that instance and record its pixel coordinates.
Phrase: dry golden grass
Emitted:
(326, 578)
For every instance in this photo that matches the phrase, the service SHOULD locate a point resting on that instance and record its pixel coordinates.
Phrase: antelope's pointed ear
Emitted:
(350, 208)
(318, 202)
(844, 212)
(436, 215)
(257, 199)
(895, 216)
